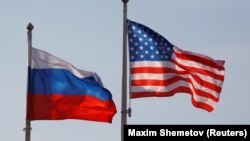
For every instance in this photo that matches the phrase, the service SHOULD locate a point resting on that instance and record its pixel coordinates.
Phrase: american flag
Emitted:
(159, 68)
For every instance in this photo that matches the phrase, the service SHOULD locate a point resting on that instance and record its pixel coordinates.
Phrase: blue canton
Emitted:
(147, 45)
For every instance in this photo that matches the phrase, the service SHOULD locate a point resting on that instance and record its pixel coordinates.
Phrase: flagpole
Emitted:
(124, 71)
(27, 128)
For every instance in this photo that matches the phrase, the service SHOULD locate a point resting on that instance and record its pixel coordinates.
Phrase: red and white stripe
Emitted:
(186, 72)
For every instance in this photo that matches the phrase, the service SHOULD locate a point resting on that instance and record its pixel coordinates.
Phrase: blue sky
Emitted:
(88, 34)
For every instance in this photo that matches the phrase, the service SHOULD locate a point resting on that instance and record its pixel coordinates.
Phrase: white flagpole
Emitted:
(124, 71)
(27, 128)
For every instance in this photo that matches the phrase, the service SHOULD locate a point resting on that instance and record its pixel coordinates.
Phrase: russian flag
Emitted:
(57, 90)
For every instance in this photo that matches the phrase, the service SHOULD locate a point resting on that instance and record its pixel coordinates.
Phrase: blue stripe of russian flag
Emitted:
(61, 81)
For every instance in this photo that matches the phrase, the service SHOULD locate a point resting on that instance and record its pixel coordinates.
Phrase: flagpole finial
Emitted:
(125, 1)
(30, 27)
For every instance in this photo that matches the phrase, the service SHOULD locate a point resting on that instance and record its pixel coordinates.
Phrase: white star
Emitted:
(145, 35)
(166, 57)
(146, 43)
(131, 48)
(141, 47)
(142, 56)
(134, 35)
(139, 31)
(131, 40)
(136, 52)
(146, 52)
(132, 57)
(133, 27)
(152, 56)
(152, 48)
(157, 52)
(168, 49)
(150, 39)
(136, 43)
(140, 39)
(156, 43)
